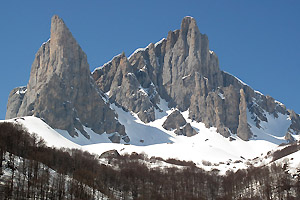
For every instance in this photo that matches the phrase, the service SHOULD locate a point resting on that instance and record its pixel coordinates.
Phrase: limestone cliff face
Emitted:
(61, 90)
(125, 87)
(170, 68)
(186, 74)
(15, 100)
(179, 69)
(182, 70)
(186, 61)
(243, 130)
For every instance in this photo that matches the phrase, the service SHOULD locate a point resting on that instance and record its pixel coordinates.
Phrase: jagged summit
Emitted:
(62, 92)
(169, 102)
(58, 26)
(62, 38)
(182, 70)
(188, 23)
(179, 70)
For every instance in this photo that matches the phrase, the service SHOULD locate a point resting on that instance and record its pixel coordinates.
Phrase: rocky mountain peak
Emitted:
(62, 92)
(61, 38)
(180, 70)
(188, 24)
(59, 29)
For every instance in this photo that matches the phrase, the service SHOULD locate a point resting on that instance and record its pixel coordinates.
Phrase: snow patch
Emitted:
(292, 161)
(107, 63)
(258, 92)
(82, 140)
(221, 95)
(143, 90)
(273, 131)
(186, 77)
(189, 17)
(21, 91)
(159, 42)
(138, 130)
(236, 78)
(278, 102)
(138, 50)
(46, 42)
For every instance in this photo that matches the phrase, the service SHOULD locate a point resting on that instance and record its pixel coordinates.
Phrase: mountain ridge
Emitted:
(58, 86)
(179, 69)
(147, 64)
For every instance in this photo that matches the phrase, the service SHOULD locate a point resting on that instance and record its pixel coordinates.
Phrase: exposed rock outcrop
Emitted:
(15, 99)
(243, 130)
(110, 154)
(61, 90)
(124, 89)
(186, 130)
(174, 121)
(289, 138)
(295, 118)
(179, 69)
(184, 72)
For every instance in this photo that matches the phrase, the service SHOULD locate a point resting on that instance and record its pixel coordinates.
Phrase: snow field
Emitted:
(207, 149)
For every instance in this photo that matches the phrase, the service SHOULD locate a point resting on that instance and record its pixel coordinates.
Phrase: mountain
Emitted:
(169, 99)
(144, 125)
(182, 70)
(62, 92)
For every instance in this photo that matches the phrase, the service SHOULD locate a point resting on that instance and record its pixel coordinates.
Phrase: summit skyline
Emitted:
(257, 42)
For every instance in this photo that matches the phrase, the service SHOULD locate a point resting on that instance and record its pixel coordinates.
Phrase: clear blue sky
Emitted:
(257, 41)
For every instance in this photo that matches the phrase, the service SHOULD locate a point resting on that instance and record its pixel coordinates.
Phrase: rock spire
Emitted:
(61, 90)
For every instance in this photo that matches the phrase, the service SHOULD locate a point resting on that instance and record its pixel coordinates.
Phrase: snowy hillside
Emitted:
(37, 126)
(208, 149)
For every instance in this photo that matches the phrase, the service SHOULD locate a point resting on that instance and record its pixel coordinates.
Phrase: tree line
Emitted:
(31, 170)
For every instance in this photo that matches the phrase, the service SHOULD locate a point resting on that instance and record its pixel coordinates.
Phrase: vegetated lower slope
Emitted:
(29, 169)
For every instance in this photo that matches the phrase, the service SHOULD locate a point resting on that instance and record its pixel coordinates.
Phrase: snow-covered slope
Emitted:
(273, 130)
(208, 149)
(37, 126)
